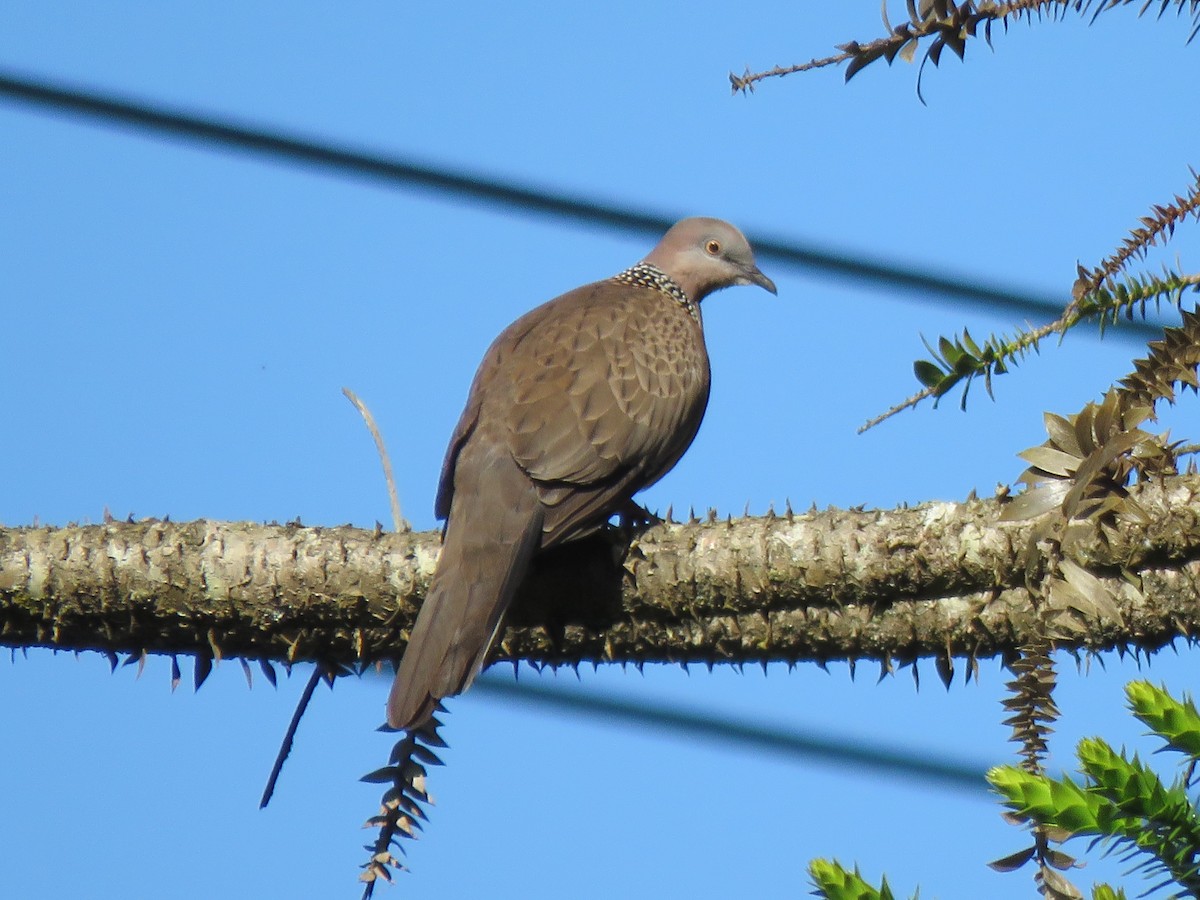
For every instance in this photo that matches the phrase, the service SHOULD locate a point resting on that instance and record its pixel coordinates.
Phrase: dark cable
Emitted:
(939, 771)
(511, 195)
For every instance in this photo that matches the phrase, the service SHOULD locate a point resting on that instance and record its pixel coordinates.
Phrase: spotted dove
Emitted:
(576, 406)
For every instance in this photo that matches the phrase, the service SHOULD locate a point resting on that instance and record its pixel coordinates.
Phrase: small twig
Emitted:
(912, 401)
(1158, 227)
(285, 748)
(401, 809)
(1028, 339)
(398, 521)
(949, 27)
(744, 83)
(400, 525)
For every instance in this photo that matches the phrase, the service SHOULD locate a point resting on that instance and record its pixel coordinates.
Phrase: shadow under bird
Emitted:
(577, 405)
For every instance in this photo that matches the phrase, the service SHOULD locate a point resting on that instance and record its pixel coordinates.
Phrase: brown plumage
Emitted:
(576, 406)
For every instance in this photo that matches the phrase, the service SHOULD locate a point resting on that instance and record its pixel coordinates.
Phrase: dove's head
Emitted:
(703, 255)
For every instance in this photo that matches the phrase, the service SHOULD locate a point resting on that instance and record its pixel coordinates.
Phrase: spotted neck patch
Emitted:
(647, 275)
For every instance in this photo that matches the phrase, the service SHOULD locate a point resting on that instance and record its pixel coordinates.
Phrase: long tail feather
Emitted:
(494, 528)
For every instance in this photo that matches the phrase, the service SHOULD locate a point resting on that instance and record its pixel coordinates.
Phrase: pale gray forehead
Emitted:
(699, 231)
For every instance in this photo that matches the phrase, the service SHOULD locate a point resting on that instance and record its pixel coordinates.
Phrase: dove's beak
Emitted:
(754, 275)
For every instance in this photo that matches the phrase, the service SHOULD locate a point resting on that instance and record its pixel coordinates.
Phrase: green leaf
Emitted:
(950, 353)
(836, 883)
(1175, 721)
(928, 373)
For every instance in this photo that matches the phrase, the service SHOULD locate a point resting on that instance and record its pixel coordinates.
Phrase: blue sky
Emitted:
(178, 324)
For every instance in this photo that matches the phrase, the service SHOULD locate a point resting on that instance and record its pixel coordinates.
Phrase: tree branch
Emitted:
(939, 580)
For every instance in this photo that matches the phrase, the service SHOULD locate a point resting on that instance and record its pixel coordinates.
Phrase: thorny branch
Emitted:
(937, 580)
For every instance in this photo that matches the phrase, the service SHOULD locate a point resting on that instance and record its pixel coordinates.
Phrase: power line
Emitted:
(942, 772)
(509, 195)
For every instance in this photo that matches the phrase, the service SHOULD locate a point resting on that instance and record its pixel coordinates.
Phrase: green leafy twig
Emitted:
(834, 882)
(961, 360)
(1032, 715)
(1121, 800)
(1155, 229)
(1076, 485)
(1176, 722)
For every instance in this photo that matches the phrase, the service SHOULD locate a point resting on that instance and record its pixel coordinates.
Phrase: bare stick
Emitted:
(286, 747)
(398, 521)
(400, 525)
